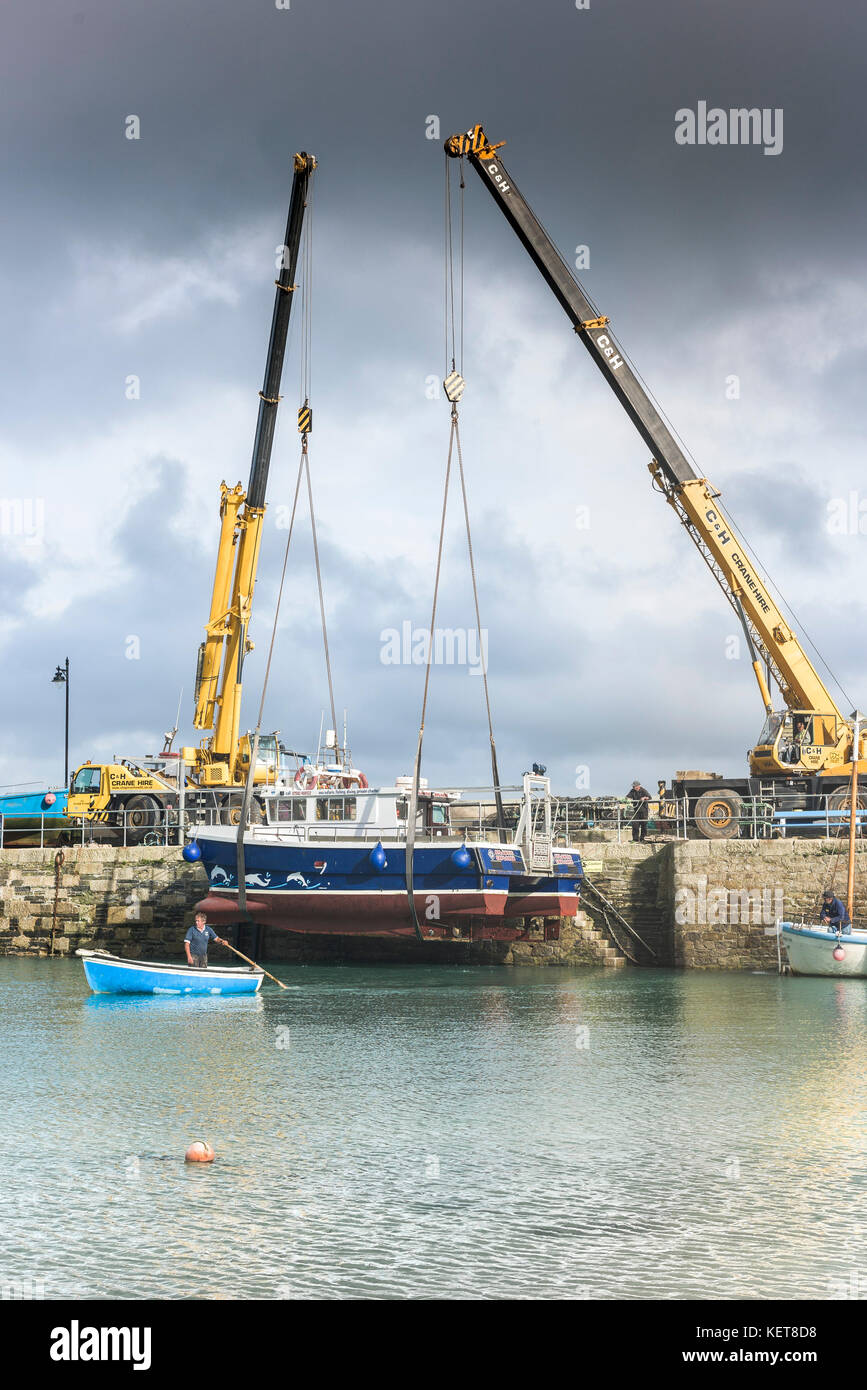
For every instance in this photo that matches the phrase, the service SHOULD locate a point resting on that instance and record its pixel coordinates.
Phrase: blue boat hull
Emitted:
(33, 817)
(113, 975)
(339, 887)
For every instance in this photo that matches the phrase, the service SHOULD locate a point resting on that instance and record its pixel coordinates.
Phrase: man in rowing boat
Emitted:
(197, 940)
(834, 914)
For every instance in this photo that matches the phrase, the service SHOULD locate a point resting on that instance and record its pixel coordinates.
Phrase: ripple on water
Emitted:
(435, 1132)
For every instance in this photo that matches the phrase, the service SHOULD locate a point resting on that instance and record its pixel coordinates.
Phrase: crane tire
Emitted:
(143, 814)
(841, 799)
(230, 811)
(718, 814)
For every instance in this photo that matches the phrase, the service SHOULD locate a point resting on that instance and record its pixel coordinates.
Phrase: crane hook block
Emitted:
(454, 386)
(305, 420)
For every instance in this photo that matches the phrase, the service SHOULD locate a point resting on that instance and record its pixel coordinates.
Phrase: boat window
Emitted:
(290, 808)
(335, 808)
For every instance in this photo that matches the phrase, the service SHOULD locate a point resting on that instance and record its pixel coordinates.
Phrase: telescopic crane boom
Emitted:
(221, 655)
(781, 750)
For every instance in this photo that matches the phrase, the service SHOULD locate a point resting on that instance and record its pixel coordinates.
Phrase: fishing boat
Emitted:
(324, 852)
(108, 974)
(336, 860)
(813, 948)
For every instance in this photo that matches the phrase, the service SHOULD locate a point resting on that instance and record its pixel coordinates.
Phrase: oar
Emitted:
(255, 966)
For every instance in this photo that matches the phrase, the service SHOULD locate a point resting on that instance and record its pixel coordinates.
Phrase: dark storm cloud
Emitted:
(154, 257)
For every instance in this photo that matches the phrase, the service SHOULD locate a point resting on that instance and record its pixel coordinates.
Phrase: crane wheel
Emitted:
(230, 814)
(231, 810)
(143, 815)
(841, 799)
(718, 814)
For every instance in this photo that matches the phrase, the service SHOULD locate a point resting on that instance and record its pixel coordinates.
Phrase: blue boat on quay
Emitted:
(108, 974)
(33, 817)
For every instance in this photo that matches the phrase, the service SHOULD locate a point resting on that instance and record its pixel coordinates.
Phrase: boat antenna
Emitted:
(857, 719)
(319, 740)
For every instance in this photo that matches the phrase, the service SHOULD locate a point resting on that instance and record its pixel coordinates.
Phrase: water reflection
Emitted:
(436, 1131)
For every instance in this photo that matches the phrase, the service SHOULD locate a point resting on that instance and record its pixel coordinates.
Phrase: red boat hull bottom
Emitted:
(447, 916)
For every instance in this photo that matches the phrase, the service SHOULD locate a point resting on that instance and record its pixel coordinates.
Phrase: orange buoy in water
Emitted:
(200, 1152)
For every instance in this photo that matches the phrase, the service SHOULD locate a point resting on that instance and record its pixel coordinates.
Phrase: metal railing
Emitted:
(573, 818)
(120, 828)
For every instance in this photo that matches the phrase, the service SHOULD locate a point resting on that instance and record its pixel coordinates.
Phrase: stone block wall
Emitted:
(137, 900)
(700, 904)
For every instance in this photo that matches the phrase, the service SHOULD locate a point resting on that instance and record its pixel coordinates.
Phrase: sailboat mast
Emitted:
(853, 810)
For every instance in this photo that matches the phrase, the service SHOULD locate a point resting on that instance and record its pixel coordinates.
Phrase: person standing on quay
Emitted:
(640, 798)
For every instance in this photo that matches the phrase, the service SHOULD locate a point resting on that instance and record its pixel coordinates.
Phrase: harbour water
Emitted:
(436, 1131)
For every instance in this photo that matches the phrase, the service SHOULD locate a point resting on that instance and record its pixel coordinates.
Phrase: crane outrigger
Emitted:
(805, 751)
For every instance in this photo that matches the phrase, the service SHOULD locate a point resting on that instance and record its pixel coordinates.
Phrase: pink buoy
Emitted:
(199, 1152)
(839, 953)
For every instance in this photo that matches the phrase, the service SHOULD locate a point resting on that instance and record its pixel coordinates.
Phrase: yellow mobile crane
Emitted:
(805, 750)
(133, 798)
(223, 759)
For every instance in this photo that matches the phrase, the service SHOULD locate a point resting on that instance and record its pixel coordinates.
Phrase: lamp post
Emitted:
(61, 677)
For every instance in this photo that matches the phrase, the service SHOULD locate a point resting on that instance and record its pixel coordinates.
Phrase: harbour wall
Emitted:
(698, 904)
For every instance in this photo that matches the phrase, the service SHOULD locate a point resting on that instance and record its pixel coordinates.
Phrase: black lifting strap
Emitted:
(482, 653)
(412, 811)
(241, 872)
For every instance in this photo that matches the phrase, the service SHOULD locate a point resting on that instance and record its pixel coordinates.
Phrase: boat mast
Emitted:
(857, 718)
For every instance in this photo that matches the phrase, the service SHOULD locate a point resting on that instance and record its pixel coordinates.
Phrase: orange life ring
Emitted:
(305, 780)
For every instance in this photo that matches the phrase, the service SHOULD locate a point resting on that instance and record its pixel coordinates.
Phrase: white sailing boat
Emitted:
(813, 948)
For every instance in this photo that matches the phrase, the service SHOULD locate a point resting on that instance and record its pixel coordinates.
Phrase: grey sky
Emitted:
(154, 257)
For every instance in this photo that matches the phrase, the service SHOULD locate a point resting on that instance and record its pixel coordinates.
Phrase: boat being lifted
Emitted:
(334, 860)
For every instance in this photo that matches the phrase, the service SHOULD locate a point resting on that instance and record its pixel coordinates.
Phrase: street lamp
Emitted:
(61, 677)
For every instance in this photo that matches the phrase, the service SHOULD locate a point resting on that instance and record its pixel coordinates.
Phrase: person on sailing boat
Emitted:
(834, 914)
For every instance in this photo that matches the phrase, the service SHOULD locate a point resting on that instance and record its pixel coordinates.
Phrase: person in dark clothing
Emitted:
(640, 799)
(834, 914)
(197, 940)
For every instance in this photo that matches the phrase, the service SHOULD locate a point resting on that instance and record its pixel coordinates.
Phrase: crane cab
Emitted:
(799, 740)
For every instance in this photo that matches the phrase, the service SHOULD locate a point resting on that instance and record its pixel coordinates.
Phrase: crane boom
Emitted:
(218, 696)
(691, 496)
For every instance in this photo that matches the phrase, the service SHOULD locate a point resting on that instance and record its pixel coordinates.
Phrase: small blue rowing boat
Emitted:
(107, 974)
